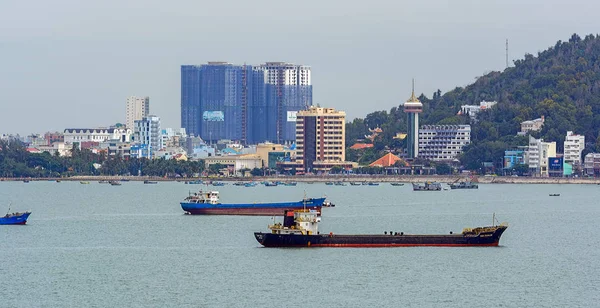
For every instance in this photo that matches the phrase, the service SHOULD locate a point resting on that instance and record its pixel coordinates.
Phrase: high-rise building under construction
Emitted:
(244, 103)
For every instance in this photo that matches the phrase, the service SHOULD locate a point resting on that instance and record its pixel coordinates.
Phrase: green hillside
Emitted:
(561, 83)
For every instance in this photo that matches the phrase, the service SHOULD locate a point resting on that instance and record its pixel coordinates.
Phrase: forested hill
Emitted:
(561, 83)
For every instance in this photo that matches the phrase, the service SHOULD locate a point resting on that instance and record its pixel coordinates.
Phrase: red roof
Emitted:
(33, 150)
(387, 160)
(360, 146)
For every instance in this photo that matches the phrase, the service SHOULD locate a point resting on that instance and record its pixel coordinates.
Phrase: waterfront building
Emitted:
(387, 160)
(138, 150)
(412, 108)
(537, 155)
(443, 142)
(116, 148)
(136, 108)
(81, 135)
(147, 131)
(531, 125)
(320, 138)
(513, 158)
(173, 137)
(591, 164)
(235, 163)
(473, 110)
(573, 146)
(244, 103)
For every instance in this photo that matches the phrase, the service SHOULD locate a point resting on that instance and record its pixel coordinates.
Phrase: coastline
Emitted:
(344, 178)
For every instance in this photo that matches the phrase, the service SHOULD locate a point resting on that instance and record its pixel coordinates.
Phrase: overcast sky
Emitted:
(72, 63)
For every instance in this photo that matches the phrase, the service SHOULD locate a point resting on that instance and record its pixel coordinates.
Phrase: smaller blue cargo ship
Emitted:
(15, 218)
(207, 203)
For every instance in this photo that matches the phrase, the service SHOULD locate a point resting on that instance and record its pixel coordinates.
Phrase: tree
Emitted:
(443, 169)
(336, 169)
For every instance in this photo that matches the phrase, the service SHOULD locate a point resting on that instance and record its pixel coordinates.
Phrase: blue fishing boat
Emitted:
(218, 184)
(290, 184)
(250, 184)
(270, 184)
(328, 183)
(373, 184)
(15, 218)
(340, 183)
(207, 203)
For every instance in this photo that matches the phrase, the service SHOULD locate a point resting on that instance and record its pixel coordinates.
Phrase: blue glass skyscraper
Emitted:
(244, 103)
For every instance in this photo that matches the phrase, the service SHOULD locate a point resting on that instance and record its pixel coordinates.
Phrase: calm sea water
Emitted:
(131, 246)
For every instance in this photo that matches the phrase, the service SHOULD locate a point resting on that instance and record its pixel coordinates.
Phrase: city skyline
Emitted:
(55, 74)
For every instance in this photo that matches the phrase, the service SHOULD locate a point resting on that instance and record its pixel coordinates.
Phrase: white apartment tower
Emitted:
(574, 145)
(537, 155)
(147, 131)
(137, 108)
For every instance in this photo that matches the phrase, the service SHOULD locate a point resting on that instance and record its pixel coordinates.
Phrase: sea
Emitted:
(99, 245)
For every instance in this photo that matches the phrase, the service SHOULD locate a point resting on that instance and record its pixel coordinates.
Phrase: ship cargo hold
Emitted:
(207, 203)
(300, 229)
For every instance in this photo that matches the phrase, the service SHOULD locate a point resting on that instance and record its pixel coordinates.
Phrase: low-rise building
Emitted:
(178, 153)
(79, 135)
(513, 158)
(591, 164)
(443, 142)
(235, 163)
(531, 125)
(573, 146)
(473, 110)
(173, 137)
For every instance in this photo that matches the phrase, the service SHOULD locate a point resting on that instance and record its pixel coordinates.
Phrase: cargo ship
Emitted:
(207, 203)
(300, 229)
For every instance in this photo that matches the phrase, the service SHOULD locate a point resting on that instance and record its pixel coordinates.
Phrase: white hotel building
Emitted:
(79, 135)
(443, 142)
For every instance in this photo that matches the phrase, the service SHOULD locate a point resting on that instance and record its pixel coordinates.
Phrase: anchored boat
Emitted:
(464, 185)
(427, 186)
(15, 218)
(300, 229)
(207, 203)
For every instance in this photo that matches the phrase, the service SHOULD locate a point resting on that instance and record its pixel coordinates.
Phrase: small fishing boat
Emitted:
(150, 182)
(464, 185)
(84, 182)
(218, 184)
(115, 183)
(104, 182)
(270, 184)
(364, 183)
(58, 181)
(373, 184)
(250, 184)
(355, 184)
(396, 184)
(339, 183)
(193, 182)
(290, 184)
(15, 218)
(427, 186)
(25, 181)
(554, 195)
(328, 183)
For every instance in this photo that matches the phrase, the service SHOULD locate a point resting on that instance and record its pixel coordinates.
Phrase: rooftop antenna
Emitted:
(506, 53)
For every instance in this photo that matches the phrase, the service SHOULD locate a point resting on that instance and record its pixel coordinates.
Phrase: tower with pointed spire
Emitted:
(412, 108)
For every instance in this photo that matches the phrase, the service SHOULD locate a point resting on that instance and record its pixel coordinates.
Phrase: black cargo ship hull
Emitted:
(396, 240)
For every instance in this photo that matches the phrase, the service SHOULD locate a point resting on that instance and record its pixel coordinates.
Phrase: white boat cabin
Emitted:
(305, 223)
(210, 197)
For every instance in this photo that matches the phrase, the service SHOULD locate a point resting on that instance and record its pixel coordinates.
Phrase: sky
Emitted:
(72, 63)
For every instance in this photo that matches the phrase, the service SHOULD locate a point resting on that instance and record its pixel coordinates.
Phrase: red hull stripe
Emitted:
(401, 245)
